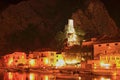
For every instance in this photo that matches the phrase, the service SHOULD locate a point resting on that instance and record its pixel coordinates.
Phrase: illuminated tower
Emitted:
(71, 36)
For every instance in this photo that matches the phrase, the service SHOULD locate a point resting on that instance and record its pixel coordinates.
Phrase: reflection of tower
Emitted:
(71, 34)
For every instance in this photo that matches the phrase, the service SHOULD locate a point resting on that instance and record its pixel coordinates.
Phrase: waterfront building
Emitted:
(34, 59)
(49, 58)
(14, 59)
(106, 55)
(110, 60)
(106, 48)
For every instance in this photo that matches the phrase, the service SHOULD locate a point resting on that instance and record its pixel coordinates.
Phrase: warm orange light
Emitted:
(107, 66)
(10, 61)
(72, 61)
(115, 73)
(102, 78)
(32, 62)
(22, 57)
(46, 61)
(95, 66)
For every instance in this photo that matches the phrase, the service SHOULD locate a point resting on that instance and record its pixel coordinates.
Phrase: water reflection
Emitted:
(27, 76)
(39, 76)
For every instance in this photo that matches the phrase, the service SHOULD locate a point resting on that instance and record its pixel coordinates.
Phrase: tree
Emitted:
(60, 38)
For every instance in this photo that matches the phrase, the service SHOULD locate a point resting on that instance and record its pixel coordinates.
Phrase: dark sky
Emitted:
(113, 7)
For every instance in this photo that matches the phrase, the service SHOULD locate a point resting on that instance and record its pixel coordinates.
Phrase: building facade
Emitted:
(34, 59)
(106, 48)
(15, 59)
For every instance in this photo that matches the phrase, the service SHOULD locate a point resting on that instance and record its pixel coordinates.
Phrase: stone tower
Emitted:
(71, 36)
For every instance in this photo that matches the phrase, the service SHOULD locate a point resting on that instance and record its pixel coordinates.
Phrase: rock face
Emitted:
(95, 20)
(49, 17)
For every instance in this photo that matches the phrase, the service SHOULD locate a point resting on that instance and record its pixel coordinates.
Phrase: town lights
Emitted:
(10, 61)
(32, 62)
(72, 61)
(102, 64)
(46, 61)
(95, 66)
(60, 63)
(102, 78)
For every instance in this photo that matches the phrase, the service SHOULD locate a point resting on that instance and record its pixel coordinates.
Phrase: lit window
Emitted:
(41, 59)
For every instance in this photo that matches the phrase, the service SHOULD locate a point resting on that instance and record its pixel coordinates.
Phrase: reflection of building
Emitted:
(27, 76)
(72, 38)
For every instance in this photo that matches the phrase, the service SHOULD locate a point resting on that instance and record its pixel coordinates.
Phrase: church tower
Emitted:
(71, 36)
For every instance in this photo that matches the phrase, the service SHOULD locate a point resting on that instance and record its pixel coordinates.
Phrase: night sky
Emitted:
(112, 6)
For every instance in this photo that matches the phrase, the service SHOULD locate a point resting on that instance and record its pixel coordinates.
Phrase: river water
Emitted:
(58, 76)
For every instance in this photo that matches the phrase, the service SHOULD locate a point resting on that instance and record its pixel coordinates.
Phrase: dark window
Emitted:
(41, 59)
(52, 54)
(99, 45)
(13, 57)
(116, 43)
(113, 58)
(117, 58)
(16, 61)
(107, 44)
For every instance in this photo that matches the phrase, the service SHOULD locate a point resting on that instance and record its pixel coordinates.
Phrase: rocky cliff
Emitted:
(95, 20)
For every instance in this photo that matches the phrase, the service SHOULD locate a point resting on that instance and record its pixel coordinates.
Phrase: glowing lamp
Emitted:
(32, 62)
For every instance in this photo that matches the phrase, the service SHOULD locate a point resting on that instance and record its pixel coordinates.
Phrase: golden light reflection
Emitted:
(10, 76)
(79, 78)
(46, 77)
(32, 76)
(103, 78)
